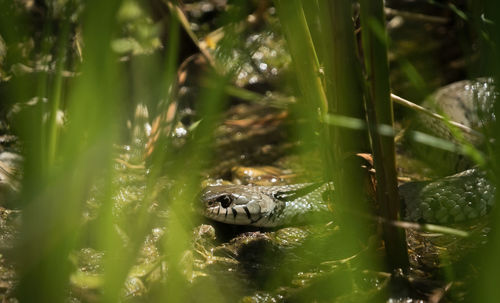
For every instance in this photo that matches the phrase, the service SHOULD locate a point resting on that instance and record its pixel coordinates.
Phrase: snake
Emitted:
(462, 196)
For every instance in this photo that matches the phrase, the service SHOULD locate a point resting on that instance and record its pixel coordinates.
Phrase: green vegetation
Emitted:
(121, 109)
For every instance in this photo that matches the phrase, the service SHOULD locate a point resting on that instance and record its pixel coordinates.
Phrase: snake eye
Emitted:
(225, 201)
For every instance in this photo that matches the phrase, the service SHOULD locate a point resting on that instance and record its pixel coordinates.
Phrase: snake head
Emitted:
(236, 204)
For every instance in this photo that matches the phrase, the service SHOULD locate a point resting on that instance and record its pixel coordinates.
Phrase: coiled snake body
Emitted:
(465, 195)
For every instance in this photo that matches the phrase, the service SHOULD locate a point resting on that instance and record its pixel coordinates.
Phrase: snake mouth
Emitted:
(238, 214)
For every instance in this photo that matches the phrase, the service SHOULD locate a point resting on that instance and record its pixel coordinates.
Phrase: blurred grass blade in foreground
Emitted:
(55, 188)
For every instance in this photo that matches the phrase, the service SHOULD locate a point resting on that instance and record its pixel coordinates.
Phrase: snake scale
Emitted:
(458, 197)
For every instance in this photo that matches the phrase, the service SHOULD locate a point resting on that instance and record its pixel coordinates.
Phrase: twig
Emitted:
(439, 293)
(424, 110)
(177, 11)
(128, 165)
(415, 16)
(426, 227)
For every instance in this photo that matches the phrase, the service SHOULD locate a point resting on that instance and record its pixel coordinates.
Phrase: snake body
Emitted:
(462, 196)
